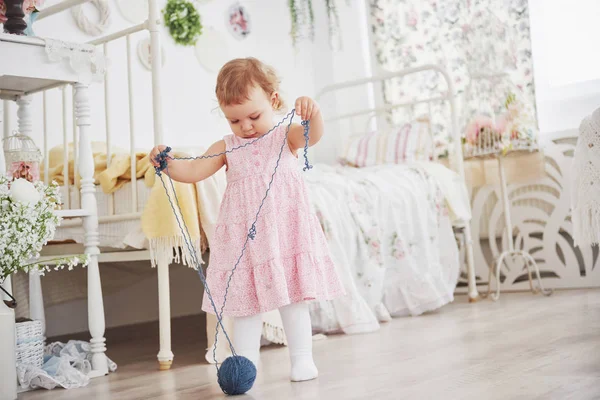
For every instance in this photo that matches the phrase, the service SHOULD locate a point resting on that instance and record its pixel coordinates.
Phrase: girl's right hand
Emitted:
(155, 152)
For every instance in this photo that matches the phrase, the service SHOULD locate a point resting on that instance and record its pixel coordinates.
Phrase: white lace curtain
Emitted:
(585, 201)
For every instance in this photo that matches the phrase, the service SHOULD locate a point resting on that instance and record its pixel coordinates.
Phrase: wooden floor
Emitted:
(522, 347)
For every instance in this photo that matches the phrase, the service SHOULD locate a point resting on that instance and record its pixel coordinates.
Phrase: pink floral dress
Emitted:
(288, 261)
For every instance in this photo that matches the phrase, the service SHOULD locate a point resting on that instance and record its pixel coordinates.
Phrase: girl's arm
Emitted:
(309, 110)
(192, 171)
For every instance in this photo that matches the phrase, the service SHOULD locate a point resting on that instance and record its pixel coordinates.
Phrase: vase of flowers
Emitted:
(512, 129)
(28, 221)
(483, 135)
(13, 14)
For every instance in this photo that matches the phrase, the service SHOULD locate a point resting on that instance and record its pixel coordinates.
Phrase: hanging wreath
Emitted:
(93, 28)
(183, 22)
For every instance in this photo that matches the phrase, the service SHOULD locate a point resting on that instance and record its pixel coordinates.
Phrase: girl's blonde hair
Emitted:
(238, 76)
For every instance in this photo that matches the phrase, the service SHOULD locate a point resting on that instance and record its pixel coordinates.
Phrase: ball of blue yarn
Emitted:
(236, 375)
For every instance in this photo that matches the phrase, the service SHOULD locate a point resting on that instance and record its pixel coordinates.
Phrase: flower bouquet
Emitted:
(512, 130)
(28, 221)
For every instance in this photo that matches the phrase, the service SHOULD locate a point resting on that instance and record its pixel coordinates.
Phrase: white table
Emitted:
(29, 65)
(511, 251)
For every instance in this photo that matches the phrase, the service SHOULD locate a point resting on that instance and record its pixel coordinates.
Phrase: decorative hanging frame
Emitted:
(93, 28)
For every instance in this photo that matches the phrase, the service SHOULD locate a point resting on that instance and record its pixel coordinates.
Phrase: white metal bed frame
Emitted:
(86, 213)
(450, 97)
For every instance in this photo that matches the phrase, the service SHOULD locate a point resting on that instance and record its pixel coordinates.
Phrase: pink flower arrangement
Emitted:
(478, 126)
(508, 123)
(505, 125)
(29, 6)
(512, 129)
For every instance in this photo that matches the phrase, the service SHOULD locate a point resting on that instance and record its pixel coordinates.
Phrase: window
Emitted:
(565, 37)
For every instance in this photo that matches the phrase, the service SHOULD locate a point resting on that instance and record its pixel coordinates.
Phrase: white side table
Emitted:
(511, 251)
(30, 65)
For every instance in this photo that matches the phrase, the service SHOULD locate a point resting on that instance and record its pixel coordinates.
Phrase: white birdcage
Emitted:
(497, 119)
(22, 157)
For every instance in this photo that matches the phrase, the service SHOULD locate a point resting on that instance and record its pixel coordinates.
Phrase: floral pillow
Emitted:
(400, 144)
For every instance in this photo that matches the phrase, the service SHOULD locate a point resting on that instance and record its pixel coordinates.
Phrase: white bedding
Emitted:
(390, 233)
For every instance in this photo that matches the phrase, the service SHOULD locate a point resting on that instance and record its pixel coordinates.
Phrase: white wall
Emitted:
(350, 62)
(190, 115)
(188, 89)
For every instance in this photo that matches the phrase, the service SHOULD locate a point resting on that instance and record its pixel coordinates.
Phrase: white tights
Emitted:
(298, 330)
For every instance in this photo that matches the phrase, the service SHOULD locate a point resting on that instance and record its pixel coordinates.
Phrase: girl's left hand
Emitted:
(306, 108)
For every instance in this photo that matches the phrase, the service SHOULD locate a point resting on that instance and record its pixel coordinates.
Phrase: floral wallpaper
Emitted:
(466, 37)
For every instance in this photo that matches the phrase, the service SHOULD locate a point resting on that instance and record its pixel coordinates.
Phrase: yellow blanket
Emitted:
(160, 222)
(110, 179)
(166, 242)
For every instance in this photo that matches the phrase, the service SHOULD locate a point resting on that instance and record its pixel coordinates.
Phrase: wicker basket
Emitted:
(30, 343)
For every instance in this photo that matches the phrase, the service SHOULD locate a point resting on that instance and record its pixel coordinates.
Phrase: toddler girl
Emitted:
(288, 261)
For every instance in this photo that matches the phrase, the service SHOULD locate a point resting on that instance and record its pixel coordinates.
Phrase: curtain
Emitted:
(463, 36)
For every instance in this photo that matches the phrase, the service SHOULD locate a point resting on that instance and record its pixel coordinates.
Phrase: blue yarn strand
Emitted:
(306, 125)
(196, 261)
(163, 165)
(162, 156)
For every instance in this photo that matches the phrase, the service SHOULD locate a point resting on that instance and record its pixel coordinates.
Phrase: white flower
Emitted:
(28, 222)
(22, 190)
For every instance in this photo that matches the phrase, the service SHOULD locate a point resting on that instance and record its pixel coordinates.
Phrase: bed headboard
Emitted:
(368, 116)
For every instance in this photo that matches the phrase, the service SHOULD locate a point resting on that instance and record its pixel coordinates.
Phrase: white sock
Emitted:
(298, 330)
(246, 337)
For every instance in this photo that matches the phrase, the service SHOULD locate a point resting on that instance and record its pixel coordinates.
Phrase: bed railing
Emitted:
(372, 112)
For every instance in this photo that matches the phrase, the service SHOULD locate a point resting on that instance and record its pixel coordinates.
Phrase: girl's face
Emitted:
(254, 117)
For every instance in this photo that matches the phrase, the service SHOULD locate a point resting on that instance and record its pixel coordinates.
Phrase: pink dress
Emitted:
(288, 261)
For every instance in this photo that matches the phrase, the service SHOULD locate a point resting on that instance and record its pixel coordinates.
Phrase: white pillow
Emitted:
(401, 144)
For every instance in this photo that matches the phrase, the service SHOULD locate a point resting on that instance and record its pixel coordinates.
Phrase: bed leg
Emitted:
(473, 293)
(90, 225)
(165, 355)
